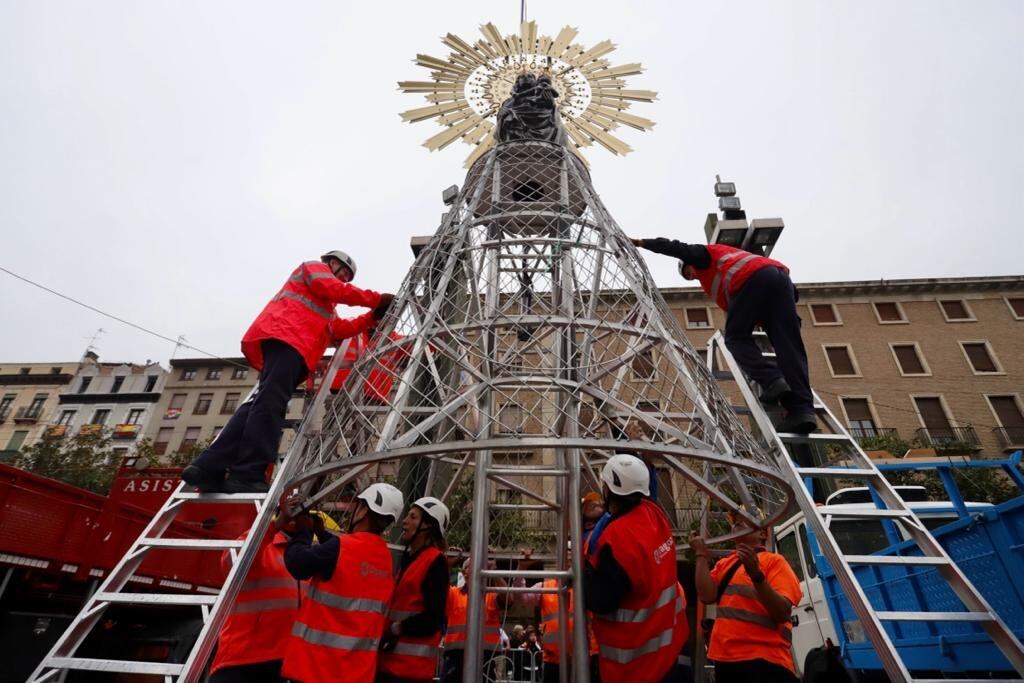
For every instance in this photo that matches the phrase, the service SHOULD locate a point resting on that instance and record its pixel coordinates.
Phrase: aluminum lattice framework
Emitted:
(525, 336)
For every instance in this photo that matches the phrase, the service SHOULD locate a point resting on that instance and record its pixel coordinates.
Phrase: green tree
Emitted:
(83, 460)
(508, 528)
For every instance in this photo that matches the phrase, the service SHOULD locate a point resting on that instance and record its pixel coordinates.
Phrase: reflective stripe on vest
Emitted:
(639, 615)
(458, 628)
(415, 650)
(400, 615)
(621, 656)
(717, 285)
(347, 604)
(265, 605)
(338, 642)
(307, 302)
(745, 591)
(740, 614)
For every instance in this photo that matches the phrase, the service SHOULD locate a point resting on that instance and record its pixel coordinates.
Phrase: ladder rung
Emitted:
(910, 560)
(934, 616)
(966, 680)
(789, 437)
(741, 410)
(114, 666)
(513, 472)
(157, 598)
(221, 497)
(838, 472)
(834, 511)
(768, 354)
(191, 543)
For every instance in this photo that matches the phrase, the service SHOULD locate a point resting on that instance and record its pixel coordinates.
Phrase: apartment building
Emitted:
(199, 397)
(109, 397)
(28, 398)
(936, 362)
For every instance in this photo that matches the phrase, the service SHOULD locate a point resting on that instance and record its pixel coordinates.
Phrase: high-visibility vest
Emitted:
(458, 606)
(549, 620)
(302, 315)
(730, 268)
(743, 629)
(378, 383)
(413, 658)
(641, 639)
(257, 628)
(339, 625)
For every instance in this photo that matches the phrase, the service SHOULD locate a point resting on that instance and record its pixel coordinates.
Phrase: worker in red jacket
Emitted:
(339, 625)
(416, 614)
(753, 290)
(284, 343)
(638, 610)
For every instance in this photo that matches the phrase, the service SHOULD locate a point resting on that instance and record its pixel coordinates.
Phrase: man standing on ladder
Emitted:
(753, 290)
(285, 343)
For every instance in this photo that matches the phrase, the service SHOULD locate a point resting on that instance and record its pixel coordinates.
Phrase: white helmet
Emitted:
(384, 499)
(436, 509)
(345, 259)
(625, 474)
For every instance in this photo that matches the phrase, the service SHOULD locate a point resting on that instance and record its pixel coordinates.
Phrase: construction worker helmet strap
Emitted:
(345, 259)
(384, 499)
(625, 474)
(436, 509)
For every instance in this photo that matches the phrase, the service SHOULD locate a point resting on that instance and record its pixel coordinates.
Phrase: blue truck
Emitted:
(986, 541)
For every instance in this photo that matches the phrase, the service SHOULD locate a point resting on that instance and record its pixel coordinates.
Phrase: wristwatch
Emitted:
(758, 577)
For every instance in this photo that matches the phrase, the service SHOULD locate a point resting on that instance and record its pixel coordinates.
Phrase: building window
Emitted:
(1011, 420)
(510, 419)
(933, 415)
(150, 383)
(191, 437)
(216, 432)
(100, 416)
(163, 437)
(840, 360)
(134, 416)
(909, 360)
(859, 417)
(213, 373)
(177, 402)
(955, 310)
(188, 374)
(230, 403)
(697, 318)
(35, 408)
(17, 439)
(203, 404)
(5, 404)
(1016, 304)
(643, 365)
(66, 417)
(889, 312)
(825, 314)
(239, 373)
(980, 358)
(118, 381)
(86, 381)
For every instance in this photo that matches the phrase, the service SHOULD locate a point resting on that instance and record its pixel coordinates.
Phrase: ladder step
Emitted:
(114, 666)
(191, 543)
(157, 598)
(935, 616)
(838, 472)
(221, 497)
(909, 560)
(867, 513)
(789, 437)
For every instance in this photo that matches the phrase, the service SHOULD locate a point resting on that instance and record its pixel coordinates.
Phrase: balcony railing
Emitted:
(950, 439)
(28, 415)
(862, 434)
(126, 431)
(1010, 438)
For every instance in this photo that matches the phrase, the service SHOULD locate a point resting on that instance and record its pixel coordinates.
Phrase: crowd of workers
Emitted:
(321, 605)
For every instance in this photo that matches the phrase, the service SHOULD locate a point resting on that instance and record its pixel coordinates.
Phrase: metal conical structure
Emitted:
(526, 335)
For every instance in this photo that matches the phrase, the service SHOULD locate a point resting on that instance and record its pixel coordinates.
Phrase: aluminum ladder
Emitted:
(889, 508)
(215, 607)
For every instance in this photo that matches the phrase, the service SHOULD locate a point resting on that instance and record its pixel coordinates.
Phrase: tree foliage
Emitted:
(509, 529)
(83, 460)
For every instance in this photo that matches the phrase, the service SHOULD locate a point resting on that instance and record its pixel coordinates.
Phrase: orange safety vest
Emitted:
(743, 629)
(302, 315)
(412, 658)
(730, 268)
(641, 639)
(458, 605)
(549, 619)
(339, 625)
(257, 628)
(377, 386)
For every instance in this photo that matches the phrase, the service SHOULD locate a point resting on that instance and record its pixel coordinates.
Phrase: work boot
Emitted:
(771, 394)
(797, 423)
(232, 485)
(204, 480)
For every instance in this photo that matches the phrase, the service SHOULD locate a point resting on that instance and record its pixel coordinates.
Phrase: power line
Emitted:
(176, 342)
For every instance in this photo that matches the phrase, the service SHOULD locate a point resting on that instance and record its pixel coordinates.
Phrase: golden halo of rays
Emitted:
(467, 87)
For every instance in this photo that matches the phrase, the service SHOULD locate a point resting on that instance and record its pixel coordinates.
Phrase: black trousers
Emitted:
(250, 439)
(758, 670)
(769, 298)
(261, 672)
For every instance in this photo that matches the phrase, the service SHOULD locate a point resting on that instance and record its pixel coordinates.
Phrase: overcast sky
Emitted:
(171, 162)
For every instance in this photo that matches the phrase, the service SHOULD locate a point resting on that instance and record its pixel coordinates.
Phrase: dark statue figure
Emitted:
(531, 113)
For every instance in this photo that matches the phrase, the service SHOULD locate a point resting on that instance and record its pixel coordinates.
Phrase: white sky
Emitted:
(171, 162)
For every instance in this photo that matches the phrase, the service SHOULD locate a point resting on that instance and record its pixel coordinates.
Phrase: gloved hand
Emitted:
(383, 306)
